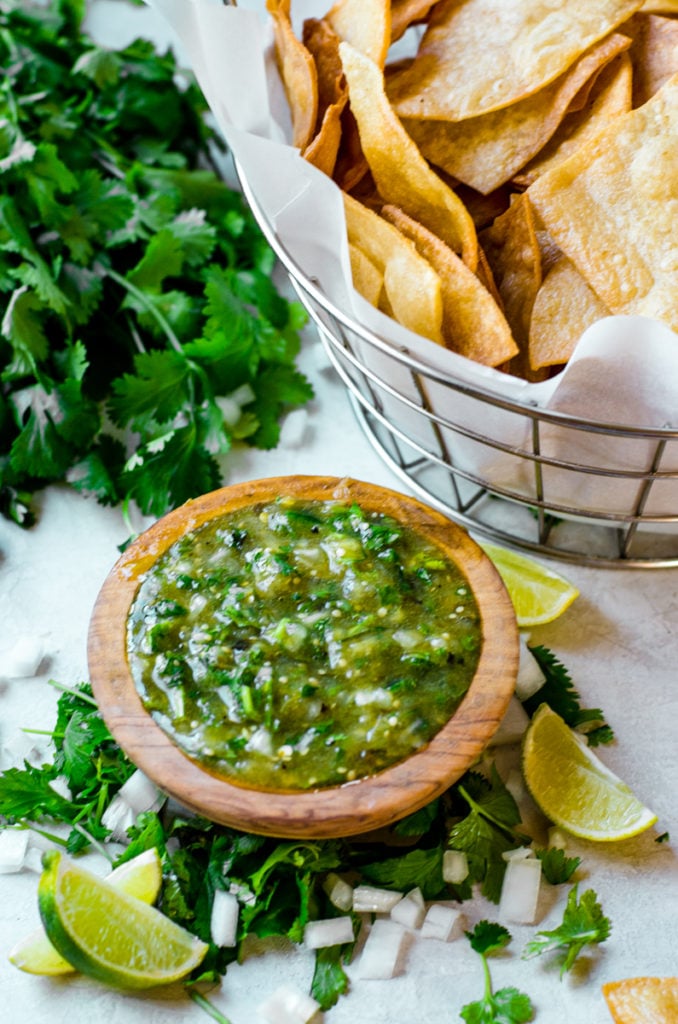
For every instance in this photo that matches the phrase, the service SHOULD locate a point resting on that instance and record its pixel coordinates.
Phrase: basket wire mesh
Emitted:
(429, 451)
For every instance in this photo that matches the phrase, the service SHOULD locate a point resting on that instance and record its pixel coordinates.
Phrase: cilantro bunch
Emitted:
(135, 286)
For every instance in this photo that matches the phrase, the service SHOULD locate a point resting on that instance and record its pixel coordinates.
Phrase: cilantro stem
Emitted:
(206, 1005)
(94, 842)
(80, 694)
(141, 298)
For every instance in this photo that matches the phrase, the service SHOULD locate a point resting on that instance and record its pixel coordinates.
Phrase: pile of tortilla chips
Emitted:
(512, 181)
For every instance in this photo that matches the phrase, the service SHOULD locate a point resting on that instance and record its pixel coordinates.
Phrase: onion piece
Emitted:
(442, 922)
(13, 847)
(118, 817)
(224, 918)
(288, 1006)
(557, 839)
(518, 853)
(382, 949)
(512, 726)
(338, 891)
(22, 660)
(141, 794)
(530, 676)
(520, 890)
(369, 899)
(410, 910)
(328, 931)
(455, 866)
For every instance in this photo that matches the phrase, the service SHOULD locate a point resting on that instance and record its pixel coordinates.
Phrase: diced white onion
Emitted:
(369, 899)
(442, 922)
(512, 726)
(382, 950)
(229, 409)
(339, 892)
(530, 676)
(520, 890)
(13, 847)
(410, 910)
(330, 931)
(519, 853)
(118, 817)
(261, 741)
(515, 784)
(33, 860)
(288, 1006)
(224, 919)
(242, 395)
(455, 866)
(293, 428)
(557, 839)
(22, 660)
(141, 794)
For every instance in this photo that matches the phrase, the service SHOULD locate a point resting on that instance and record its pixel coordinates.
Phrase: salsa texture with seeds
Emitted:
(302, 644)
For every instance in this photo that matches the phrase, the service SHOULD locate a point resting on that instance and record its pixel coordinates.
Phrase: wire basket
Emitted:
(444, 458)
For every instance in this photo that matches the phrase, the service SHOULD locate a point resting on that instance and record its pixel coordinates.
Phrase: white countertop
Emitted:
(618, 640)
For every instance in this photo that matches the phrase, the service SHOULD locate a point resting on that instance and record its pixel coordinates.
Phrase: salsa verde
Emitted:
(301, 644)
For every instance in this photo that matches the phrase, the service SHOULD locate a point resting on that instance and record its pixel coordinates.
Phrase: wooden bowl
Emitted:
(348, 809)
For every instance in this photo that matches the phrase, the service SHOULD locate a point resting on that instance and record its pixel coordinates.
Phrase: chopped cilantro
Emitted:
(583, 924)
(507, 1005)
(559, 693)
(556, 867)
(135, 285)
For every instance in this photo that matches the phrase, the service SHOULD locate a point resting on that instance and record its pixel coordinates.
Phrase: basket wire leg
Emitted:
(544, 523)
(627, 538)
(438, 434)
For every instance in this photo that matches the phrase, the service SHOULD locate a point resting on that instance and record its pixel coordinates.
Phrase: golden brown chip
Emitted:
(480, 55)
(400, 172)
(487, 151)
(512, 250)
(365, 24)
(564, 307)
(322, 43)
(412, 288)
(642, 1000)
(323, 149)
(612, 207)
(407, 12)
(368, 280)
(473, 324)
(298, 73)
(610, 97)
(654, 55)
(661, 6)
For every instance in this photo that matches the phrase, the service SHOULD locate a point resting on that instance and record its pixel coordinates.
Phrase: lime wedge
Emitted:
(539, 594)
(140, 877)
(109, 935)
(573, 787)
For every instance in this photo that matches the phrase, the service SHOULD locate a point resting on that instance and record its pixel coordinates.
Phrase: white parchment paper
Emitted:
(624, 370)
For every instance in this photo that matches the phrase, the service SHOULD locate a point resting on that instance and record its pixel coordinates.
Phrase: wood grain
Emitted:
(348, 809)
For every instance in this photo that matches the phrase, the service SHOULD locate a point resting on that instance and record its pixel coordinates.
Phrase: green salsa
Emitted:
(301, 644)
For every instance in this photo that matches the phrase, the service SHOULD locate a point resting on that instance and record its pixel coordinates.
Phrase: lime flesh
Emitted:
(539, 594)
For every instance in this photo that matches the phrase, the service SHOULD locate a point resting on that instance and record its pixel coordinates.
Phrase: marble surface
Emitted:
(619, 641)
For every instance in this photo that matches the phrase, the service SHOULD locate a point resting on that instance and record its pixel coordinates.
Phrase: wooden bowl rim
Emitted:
(347, 809)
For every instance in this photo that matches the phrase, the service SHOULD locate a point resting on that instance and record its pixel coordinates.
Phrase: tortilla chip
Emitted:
(479, 55)
(484, 209)
(365, 24)
(298, 73)
(367, 278)
(512, 250)
(610, 97)
(661, 6)
(564, 307)
(642, 1000)
(612, 208)
(323, 149)
(407, 12)
(473, 324)
(322, 43)
(487, 151)
(400, 172)
(412, 288)
(654, 55)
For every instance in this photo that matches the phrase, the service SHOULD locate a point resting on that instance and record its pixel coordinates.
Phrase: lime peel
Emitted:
(572, 786)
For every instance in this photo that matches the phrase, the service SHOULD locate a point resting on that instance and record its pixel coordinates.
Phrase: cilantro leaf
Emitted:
(559, 693)
(557, 868)
(330, 980)
(418, 867)
(583, 924)
(487, 831)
